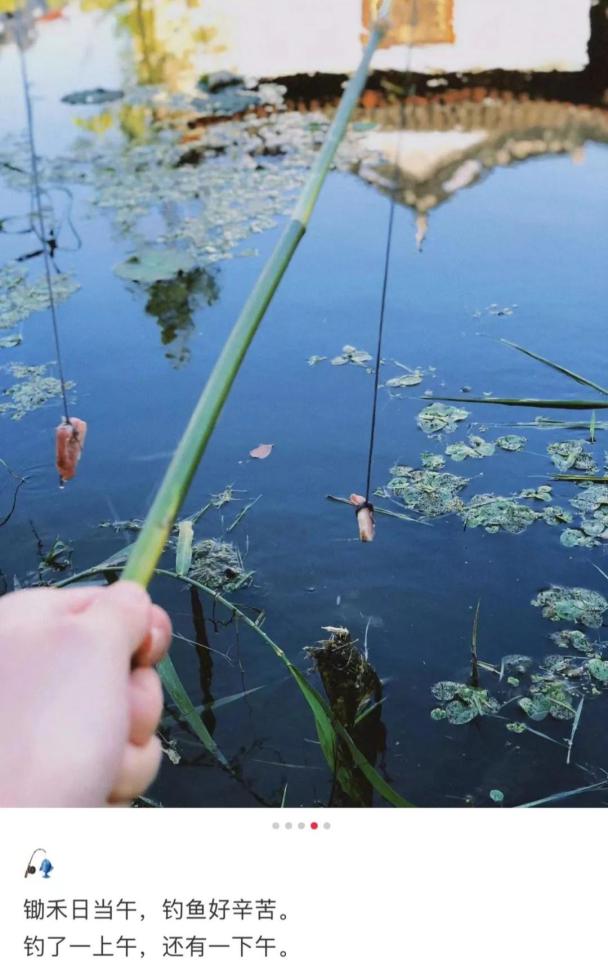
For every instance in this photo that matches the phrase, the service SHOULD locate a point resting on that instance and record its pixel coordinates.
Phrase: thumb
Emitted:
(123, 613)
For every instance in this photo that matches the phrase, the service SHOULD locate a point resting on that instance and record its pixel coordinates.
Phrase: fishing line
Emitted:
(37, 196)
(387, 258)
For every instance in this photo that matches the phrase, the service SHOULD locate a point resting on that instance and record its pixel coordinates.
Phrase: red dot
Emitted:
(314, 825)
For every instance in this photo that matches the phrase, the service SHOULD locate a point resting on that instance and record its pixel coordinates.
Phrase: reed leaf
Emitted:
(146, 551)
(183, 554)
(573, 478)
(533, 403)
(558, 368)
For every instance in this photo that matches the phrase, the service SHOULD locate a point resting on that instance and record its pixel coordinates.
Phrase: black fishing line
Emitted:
(387, 259)
(37, 194)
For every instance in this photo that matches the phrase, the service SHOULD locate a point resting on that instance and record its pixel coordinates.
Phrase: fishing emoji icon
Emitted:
(46, 866)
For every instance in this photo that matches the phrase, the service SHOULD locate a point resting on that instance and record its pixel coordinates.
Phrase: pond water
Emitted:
(526, 234)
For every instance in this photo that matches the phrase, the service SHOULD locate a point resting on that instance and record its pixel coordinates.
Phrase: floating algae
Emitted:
(591, 498)
(218, 565)
(405, 381)
(554, 515)
(432, 461)
(31, 391)
(575, 604)
(19, 297)
(461, 703)
(429, 492)
(439, 418)
(576, 639)
(542, 493)
(571, 456)
(358, 357)
(476, 448)
(576, 538)
(511, 443)
(495, 513)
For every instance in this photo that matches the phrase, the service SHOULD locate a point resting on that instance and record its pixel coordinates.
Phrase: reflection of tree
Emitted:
(165, 40)
(173, 302)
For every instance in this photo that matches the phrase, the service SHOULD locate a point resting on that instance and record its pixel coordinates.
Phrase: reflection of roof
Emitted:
(449, 145)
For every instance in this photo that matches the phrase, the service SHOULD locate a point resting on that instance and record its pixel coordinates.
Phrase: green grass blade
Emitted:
(188, 712)
(183, 554)
(534, 403)
(558, 368)
(573, 478)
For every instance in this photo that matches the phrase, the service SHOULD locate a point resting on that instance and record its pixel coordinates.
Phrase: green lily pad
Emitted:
(575, 639)
(476, 448)
(571, 455)
(495, 513)
(497, 796)
(155, 264)
(439, 418)
(511, 443)
(575, 604)
(576, 538)
(599, 669)
(537, 708)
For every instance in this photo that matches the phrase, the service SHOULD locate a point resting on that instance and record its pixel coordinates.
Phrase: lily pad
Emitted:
(497, 796)
(95, 95)
(537, 708)
(432, 461)
(554, 515)
(405, 381)
(599, 669)
(439, 418)
(575, 604)
(155, 264)
(511, 443)
(476, 448)
(544, 493)
(575, 639)
(429, 492)
(350, 354)
(571, 455)
(495, 513)
(576, 538)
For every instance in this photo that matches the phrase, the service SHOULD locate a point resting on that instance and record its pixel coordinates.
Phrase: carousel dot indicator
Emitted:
(314, 825)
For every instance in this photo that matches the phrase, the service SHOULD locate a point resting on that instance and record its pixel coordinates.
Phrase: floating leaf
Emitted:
(497, 796)
(575, 604)
(154, 265)
(11, 341)
(511, 443)
(405, 381)
(537, 708)
(262, 451)
(431, 493)
(495, 513)
(95, 95)
(476, 448)
(599, 669)
(571, 455)
(575, 639)
(438, 418)
(183, 554)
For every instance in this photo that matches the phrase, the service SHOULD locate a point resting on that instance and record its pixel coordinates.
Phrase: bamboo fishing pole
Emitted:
(147, 550)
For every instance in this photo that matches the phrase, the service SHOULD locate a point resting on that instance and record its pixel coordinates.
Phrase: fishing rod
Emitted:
(70, 434)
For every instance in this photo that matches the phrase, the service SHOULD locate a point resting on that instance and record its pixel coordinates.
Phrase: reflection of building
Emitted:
(414, 21)
(454, 140)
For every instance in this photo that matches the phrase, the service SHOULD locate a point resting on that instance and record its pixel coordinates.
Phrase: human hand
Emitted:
(79, 697)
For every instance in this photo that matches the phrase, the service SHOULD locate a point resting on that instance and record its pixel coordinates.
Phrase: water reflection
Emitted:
(173, 302)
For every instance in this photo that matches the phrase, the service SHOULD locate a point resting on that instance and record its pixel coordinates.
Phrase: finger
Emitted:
(122, 614)
(138, 771)
(145, 704)
(157, 641)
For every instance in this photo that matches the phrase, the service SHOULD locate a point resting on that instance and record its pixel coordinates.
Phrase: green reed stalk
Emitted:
(155, 532)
